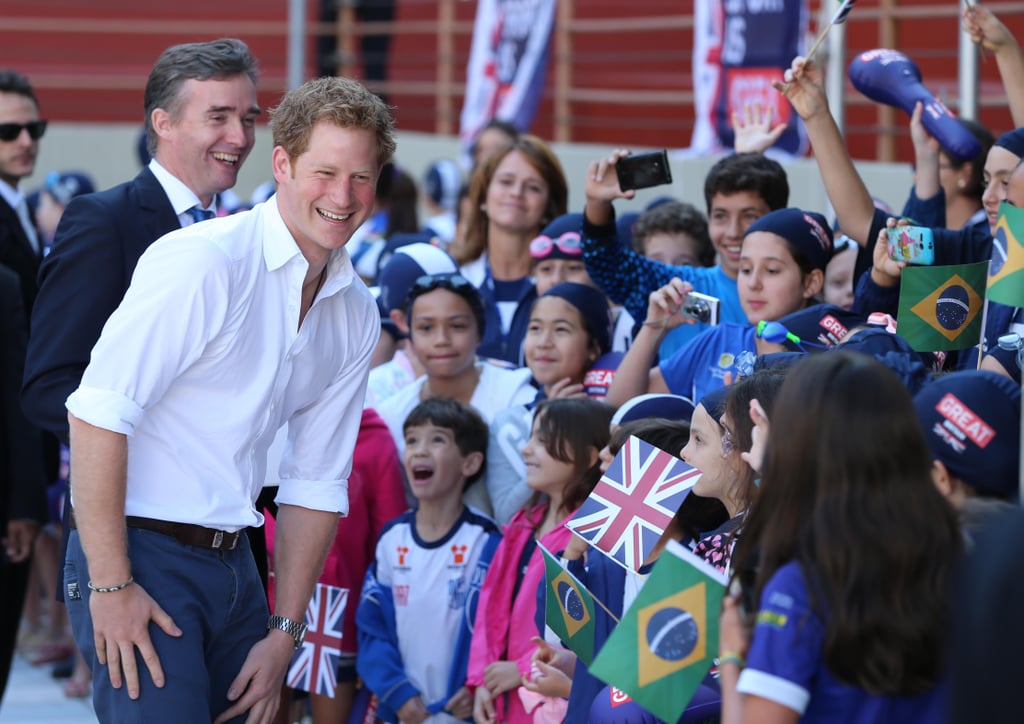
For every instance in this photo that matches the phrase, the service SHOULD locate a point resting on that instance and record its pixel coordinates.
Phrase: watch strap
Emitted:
(293, 628)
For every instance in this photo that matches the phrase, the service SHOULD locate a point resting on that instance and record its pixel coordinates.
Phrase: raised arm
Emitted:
(637, 374)
(846, 190)
(989, 32)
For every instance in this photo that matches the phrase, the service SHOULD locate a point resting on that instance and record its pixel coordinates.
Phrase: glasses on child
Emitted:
(567, 243)
(430, 282)
(776, 333)
(10, 131)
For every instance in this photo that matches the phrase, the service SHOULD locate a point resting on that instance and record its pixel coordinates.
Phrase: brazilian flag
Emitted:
(665, 645)
(1006, 271)
(569, 608)
(940, 306)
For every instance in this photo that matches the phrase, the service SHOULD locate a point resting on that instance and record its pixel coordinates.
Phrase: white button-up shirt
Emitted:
(204, 360)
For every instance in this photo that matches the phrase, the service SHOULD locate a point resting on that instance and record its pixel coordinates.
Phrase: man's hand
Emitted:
(413, 711)
(460, 705)
(257, 688)
(21, 534)
(120, 622)
(483, 706)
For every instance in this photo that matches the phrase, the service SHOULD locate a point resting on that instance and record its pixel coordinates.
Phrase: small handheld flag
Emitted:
(569, 608)
(667, 642)
(940, 306)
(838, 19)
(633, 502)
(314, 666)
(1006, 270)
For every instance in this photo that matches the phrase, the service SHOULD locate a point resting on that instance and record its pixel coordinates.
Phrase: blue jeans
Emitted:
(214, 597)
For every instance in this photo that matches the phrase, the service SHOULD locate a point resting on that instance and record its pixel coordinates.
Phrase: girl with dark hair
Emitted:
(854, 548)
(568, 331)
(562, 468)
(781, 270)
(722, 427)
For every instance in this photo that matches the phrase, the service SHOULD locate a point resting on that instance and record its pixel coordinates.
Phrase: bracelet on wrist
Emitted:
(731, 657)
(659, 324)
(111, 589)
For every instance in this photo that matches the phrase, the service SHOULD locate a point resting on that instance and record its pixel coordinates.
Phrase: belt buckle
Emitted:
(218, 538)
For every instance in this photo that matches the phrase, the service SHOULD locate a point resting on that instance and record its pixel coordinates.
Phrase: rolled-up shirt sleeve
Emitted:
(176, 303)
(322, 437)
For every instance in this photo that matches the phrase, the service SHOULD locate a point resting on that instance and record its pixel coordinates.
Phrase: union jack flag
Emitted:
(840, 17)
(633, 502)
(314, 665)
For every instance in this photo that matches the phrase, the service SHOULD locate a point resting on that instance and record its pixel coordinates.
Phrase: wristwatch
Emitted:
(294, 629)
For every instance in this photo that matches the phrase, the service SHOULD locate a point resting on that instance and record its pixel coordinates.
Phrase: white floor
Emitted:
(34, 697)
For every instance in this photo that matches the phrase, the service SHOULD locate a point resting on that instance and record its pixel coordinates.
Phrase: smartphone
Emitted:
(643, 170)
(701, 308)
(912, 244)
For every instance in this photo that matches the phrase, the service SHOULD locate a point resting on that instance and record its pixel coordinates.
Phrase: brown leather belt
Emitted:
(187, 533)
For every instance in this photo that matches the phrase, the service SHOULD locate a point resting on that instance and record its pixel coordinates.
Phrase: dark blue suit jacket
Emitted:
(17, 254)
(82, 281)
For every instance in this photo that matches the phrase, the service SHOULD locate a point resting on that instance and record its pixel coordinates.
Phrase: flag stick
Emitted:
(981, 342)
(818, 42)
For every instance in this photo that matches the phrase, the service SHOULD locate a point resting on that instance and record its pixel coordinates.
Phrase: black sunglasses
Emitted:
(10, 131)
(429, 282)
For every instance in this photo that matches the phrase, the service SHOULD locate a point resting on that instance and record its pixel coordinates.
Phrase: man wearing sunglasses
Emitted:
(20, 131)
(22, 479)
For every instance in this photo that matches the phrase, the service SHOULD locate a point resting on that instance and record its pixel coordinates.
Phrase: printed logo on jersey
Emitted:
(401, 595)
(402, 551)
(458, 592)
(459, 555)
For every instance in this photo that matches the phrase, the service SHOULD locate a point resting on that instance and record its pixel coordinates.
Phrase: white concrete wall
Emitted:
(107, 151)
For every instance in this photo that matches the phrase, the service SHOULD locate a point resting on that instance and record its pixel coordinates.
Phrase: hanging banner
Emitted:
(739, 48)
(507, 64)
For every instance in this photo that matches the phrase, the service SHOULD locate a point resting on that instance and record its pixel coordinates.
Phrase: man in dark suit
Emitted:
(20, 131)
(22, 481)
(200, 114)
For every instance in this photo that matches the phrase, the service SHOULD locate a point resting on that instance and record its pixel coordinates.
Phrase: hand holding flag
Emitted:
(667, 642)
(838, 19)
(633, 502)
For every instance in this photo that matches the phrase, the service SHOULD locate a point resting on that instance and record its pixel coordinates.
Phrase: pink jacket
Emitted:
(504, 626)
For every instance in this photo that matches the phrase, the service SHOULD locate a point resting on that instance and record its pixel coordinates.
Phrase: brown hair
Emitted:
(340, 101)
(847, 494)
(569, 428)
(543, 159)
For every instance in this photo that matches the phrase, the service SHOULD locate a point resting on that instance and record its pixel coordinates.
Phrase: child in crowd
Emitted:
(733, 434)
(558, 257)
(568, 331)
(396, 278)
(739, 189)
(445, 317)
(782, 265)
(416, 613)
(854, 550)
(971, 422)
(674, 233)
(562, 468)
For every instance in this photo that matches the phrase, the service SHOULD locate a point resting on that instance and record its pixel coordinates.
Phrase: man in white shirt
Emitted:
(229, 330)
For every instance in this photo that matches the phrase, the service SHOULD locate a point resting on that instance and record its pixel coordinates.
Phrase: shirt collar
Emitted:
(279, 248)
(13, 196)
(182, 198)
